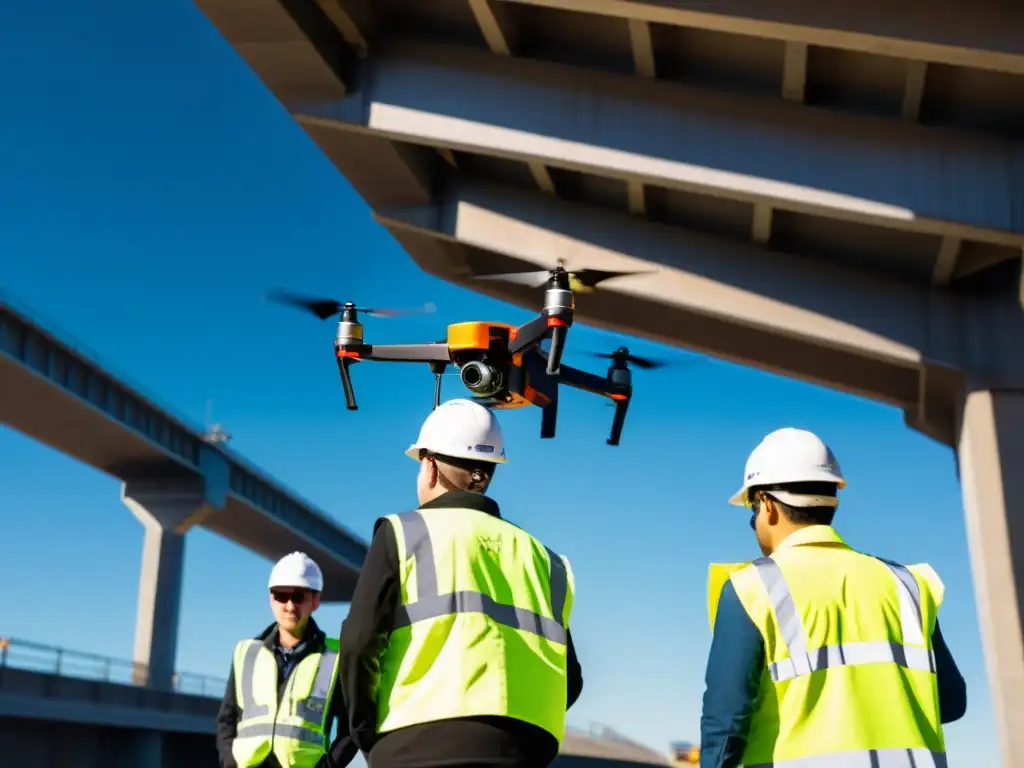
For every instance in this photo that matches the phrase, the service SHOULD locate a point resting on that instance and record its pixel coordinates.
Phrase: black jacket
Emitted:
(479, 741)
(342, 749)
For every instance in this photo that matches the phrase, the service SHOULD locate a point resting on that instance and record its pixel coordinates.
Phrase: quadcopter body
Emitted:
(503, 366)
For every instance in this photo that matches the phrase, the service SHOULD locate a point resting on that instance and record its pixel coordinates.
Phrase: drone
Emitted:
(503, 366)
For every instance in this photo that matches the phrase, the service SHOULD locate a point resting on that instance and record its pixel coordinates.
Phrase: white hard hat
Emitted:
(297, 570)
(791, 455)
(462, 429)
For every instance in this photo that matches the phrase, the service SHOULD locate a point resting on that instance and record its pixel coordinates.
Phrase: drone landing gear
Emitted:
(437, 368)
(619, 420)
(344, 363)
(549, 417)
(558, 336)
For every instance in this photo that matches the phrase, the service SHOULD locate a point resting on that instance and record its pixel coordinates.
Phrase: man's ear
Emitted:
(772, 511)
(316, 601)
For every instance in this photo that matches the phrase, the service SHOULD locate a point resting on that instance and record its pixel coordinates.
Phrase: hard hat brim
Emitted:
(413, 452)
(294, 584)
(739, 498)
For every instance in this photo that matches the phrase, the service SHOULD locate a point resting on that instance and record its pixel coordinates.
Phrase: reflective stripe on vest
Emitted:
(868, 758)
(430, 604)
(311, 709)
(804, 661)
(250, 709)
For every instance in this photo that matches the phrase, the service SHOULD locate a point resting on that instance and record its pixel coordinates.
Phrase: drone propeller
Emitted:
(580, 280)
(324, 308)
(622, 355)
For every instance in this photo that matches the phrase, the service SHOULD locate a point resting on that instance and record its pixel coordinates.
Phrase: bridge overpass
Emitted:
(832, 191)
(172, 479)
(59, 707)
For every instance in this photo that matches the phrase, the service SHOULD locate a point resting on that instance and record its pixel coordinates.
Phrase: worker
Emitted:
(280, 703)
(821, 655)
(456, 650)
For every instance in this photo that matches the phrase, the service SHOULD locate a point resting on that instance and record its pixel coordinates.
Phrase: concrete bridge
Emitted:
(828, 190)
(172, 478)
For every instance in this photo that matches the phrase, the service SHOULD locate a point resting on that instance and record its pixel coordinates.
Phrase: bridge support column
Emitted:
(991, 456)
(167, 510)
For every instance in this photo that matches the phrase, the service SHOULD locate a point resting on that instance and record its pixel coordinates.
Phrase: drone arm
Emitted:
(599, 385)
(406, 353)
(589, 382)
(537, 329)
(528, 334)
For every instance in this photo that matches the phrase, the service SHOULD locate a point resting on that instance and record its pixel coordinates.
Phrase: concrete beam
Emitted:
(985, 36)
(643, 48)
(495, 25)
(341, 15)
(945, 262)
(991, 453)
(913, 90)
(167, 510)
(498, 30)
(727, 145)
(761, 225)
(297, 46)
(794, 72)
(637, 197)
(740, 285)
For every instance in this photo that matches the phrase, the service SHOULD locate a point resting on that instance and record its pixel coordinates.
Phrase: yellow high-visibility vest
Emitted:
(849, 678)
(482, 625)
(295, 732)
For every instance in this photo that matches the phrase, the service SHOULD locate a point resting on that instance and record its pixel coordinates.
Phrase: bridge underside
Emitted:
(172, 479)
(829, 191)
(49, 721)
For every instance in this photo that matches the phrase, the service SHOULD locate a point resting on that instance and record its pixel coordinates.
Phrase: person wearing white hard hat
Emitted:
(281, 703)
(821, 655)
(456, 650)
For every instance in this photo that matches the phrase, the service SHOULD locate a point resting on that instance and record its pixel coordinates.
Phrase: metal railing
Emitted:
(53, 660)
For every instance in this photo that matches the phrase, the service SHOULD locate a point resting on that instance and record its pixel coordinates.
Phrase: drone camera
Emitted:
(481, 379)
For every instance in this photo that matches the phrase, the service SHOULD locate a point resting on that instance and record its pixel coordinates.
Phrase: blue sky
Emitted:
(151, 190)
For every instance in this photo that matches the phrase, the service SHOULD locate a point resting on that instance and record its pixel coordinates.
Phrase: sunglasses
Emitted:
(297, 596)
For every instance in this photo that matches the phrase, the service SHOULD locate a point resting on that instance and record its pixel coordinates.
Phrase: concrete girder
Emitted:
(774, 311)
(991, 453)
(167, 509)
(881, 172)
(869, 318)
(989, 38)
(299, 47)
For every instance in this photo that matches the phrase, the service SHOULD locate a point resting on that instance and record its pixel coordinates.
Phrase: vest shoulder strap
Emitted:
(243, 645)
(928, 575)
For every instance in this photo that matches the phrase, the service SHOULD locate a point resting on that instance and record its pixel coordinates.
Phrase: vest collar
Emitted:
(314, 641)
(812, 534)
(465, 500)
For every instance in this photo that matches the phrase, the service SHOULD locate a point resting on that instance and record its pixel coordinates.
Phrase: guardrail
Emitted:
(53, 660)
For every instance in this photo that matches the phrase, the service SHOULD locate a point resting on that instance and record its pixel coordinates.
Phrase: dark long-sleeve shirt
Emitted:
(342, 748)
(733, 681)
(480, 740)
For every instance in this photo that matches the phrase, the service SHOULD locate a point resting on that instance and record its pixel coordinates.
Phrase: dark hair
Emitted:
(802, 515)
(479, 472)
